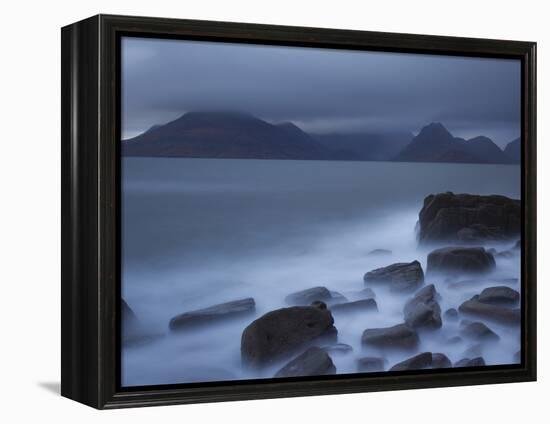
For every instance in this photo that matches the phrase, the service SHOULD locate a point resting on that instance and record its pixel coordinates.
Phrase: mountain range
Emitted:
(240, 135)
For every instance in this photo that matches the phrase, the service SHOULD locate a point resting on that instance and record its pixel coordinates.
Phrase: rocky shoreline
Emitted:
(301, 337)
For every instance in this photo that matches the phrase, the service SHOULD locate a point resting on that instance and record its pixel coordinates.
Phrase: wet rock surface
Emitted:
(399, 277)
(398, 336)
(417, 362)
(440, 360)
(213, 314)
(479, 331)
(307, 296)
(363, 305)
(423, 310)
(499, 295)
(491, 312)
(451, 314)
(469, 218)
(282, 332)
(461, 260)
(314, 361)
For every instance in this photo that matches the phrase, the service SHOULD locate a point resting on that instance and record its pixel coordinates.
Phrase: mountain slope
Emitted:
(513, 150)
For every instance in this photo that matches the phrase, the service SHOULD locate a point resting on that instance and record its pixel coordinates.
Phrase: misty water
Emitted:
(198, 232)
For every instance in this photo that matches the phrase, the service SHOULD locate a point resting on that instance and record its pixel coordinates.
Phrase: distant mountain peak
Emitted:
(435, 129)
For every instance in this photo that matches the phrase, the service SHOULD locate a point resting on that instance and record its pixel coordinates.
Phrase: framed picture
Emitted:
(253, 211)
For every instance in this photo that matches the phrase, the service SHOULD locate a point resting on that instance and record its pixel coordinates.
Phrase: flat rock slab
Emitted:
(398, 336)
(423, 310)
(417, 362)
(213, 314)
(499, 295)
(403, 276)
(468, 218)
(363, 305)
(313, 294)
(479, 331)
(461, 260)
(371, 364)
(496, 313)
(314, 361)
(285, 331)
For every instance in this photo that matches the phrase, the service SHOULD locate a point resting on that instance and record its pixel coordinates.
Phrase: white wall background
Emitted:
(30, 241)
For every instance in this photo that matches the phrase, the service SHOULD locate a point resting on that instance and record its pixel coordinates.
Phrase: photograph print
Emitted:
(299, 212)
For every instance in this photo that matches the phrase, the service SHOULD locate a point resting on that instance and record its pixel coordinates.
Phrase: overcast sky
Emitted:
(318, 89)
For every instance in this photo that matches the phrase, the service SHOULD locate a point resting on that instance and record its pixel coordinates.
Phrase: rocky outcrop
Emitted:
(371, 364)
(398, 337)
(417, 362)
(213, 314)
(285, 331)
(460, 260)
(499, 295)
(423, 311)
(496, 313)
(479, 331)
(399, 276)
(314, 361)
(363, 305)
(308, 296)
(449, 217)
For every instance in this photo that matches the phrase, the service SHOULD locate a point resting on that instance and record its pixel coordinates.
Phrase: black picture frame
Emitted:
(90, 181)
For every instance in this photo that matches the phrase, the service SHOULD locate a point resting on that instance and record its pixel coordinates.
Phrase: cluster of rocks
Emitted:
(303, 334)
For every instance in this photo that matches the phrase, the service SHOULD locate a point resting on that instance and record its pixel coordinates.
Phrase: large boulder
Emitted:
(461, 260)
(398, 276)
(363, 305)
(308, 296)
(440, 360)
(479, 331)
(399, 337)
(314, 361)
(488, 311)
(417, 362)
(283, 332)
(423, 310)
(213, 314)
(449, 217)
(499, 295)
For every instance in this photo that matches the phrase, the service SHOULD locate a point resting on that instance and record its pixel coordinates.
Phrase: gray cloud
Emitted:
(321, 90)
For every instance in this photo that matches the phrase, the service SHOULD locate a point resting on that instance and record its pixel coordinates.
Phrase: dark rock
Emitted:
(213, 314)
(451, 314)
(306, 297)
(423, 311)
(467, 362)
(463, 260)
(370, 364)
(492, 312)
(338, 348)
(439, 360)
(449, 217)
(380, 252)
(417, 362)
(314, 361)
(283, 332)
(479, 331)
(398, 276)
(499, 295)
(398, 336)
(366, 293)
(363, 305)
(318, 304)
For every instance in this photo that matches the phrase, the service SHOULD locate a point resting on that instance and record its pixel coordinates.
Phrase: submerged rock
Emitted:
(283, 332)
(467, 362)
(423, 311)
(370, 364)
(398, 276)
(398, 336)
(440, 360)
(496, 313)
(479, 331)
(454, 340)
(499, 295)
(380, 252)
(338, 348)
(314, 361)
(307, 296)
(462, 260)
(417, 362)
(363, 305)
(366, 293)
(449, 217)
(451, 314)
(213, 314)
